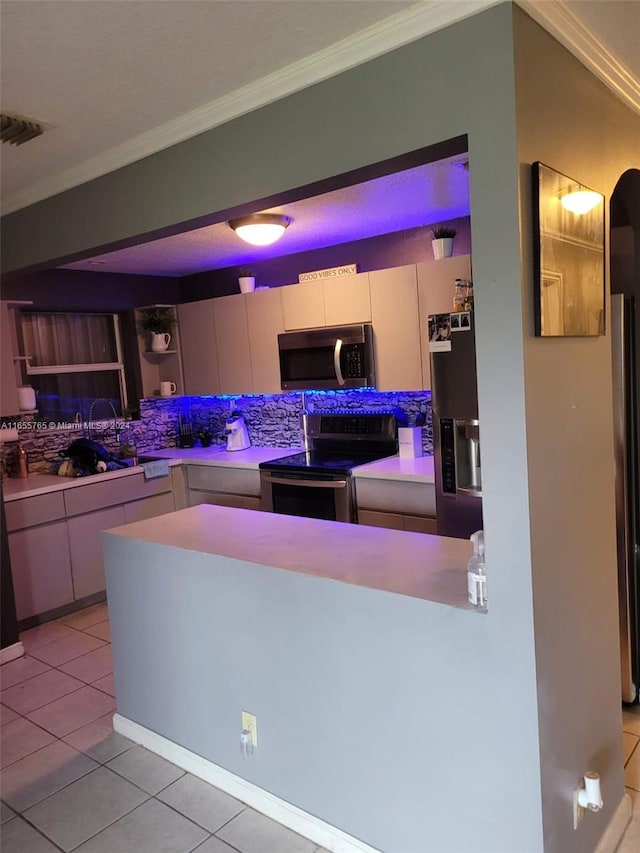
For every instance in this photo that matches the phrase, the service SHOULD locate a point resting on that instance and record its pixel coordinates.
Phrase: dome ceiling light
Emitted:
(260, 229)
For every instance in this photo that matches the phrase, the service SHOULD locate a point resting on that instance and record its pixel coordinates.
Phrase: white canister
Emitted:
(409, 442)
(26, 398)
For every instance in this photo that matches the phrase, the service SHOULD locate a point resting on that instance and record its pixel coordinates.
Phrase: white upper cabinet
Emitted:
(232, 341)
(394, 314)
(334, 302)
(303, 305)
(230, 344)
(199, 351)
(436, 288)
(346, 300)
(9, 404)
(264, 323)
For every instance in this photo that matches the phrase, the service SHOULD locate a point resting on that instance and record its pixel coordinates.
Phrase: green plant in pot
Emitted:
(442, 241)
(159, 323)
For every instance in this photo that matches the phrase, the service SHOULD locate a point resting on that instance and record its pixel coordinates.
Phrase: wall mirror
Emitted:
(568, 256)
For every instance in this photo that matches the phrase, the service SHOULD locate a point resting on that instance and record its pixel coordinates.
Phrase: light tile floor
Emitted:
(631, 746)
(69, 782)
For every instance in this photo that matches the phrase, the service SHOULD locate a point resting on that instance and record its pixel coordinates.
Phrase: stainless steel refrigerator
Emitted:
(456, 429)
(625, 401)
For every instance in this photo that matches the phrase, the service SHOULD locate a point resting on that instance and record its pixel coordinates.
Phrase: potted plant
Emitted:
(160, 323)
(246, 280)
(206, 436)
(442, 241)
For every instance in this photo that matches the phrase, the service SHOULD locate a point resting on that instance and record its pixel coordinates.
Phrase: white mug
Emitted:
(167, 389)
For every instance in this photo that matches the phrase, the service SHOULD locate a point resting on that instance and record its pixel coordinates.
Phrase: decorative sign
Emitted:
(334, 272)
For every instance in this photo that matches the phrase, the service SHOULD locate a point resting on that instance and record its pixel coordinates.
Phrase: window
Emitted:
(72, 360)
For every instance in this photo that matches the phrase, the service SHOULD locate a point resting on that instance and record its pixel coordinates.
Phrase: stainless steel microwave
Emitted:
(319, 359)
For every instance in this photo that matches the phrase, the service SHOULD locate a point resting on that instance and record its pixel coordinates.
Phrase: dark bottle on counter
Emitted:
(22, 469)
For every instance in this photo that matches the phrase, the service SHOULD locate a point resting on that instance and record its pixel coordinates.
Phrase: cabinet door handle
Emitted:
(336, 361)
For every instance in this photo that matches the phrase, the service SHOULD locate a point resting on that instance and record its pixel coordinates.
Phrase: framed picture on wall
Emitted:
(568, 220)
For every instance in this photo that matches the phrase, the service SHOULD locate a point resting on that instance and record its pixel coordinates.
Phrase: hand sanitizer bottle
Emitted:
(476, 572)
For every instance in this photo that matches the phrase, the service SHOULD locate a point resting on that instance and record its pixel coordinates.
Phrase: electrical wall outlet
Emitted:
(249, 722)
(578, 811)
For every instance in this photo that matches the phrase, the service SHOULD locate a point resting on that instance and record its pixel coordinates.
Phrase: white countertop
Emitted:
(249, 458)
(418, 470)
(415, 564)
(41, 484)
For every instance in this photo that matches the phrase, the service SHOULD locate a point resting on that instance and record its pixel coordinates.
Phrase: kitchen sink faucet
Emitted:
(115, 416)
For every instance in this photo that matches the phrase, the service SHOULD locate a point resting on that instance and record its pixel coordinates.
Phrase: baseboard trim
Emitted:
(63, 610)
(12, 652)
(616, 826)
(288, 815)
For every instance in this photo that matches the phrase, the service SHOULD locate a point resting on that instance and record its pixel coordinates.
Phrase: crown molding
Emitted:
(374, 41)
(556, 18)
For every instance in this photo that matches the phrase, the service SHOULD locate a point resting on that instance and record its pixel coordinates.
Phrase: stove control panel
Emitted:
(351, 425)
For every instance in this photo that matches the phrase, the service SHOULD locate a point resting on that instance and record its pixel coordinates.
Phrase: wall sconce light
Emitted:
(260, 229)
(579, 200)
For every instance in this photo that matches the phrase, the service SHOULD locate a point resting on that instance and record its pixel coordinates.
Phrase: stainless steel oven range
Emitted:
(317, 483)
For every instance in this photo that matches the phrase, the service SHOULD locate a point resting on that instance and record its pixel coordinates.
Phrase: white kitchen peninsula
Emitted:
(354, 646)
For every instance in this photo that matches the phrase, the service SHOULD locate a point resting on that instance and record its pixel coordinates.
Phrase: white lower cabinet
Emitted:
(223, 499)
(85, 545)
(236, 487)
(397, 504)
(148, 508)
(41, 568)
(55, 539)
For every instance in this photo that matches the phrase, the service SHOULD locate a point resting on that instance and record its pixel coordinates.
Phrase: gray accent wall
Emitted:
(548, 700)
(387, 716)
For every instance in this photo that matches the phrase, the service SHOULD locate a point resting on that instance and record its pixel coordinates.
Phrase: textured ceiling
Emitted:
(103, 72)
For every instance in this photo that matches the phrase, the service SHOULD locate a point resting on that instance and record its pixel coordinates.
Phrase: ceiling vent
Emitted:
(17, 130)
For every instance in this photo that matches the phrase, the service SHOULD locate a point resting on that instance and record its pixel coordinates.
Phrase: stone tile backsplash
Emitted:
(272, 421)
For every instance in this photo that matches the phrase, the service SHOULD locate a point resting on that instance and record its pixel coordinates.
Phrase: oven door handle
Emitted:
(336, 361)
(310, 484)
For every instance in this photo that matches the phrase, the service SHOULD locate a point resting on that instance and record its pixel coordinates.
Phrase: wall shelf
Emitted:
(159, 366)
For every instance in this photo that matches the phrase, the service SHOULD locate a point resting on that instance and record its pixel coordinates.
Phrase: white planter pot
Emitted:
(247, 283)
(442, 248)
(160, 341)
